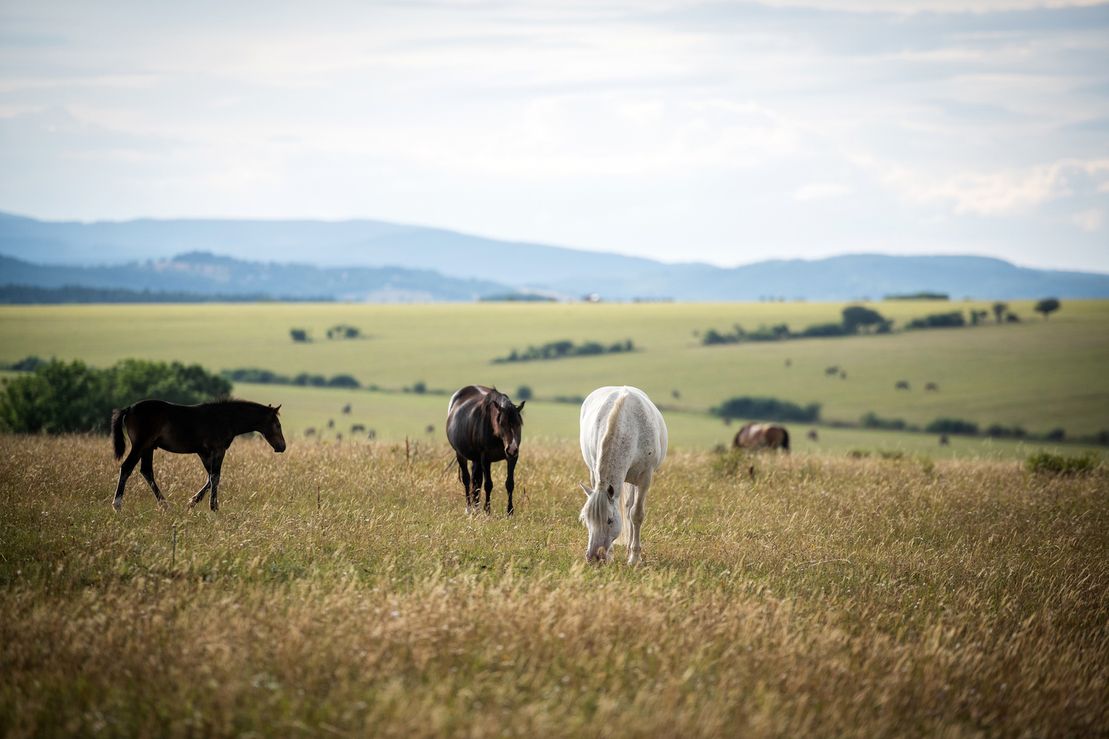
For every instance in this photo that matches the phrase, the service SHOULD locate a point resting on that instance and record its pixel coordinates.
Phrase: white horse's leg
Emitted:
(635, 520)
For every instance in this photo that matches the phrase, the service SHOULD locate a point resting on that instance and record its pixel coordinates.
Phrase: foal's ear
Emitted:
(584, 489)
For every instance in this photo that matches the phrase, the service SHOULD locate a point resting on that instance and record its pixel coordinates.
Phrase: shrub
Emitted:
(997, 431)
(420, 387)
(299, 334)
(951, 426)
(856, 317)
(767, 408)
(825, 329)
(27, 364)
(62, 397)
(1056, 434)
(343, 381)
(1057, 464)
(1047, 306)
(954, 319)
(872, 420)
(523, 393)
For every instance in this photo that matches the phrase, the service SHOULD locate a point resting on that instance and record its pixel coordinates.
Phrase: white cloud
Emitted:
(821, 191)
(1089, 220)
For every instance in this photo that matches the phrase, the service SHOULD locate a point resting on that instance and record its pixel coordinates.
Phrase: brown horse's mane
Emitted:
(502, 401)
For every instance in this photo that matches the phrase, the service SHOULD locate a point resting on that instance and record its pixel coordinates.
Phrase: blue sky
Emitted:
(720, 132)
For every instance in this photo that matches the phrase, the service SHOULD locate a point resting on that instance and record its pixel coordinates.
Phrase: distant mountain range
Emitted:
(384, 262)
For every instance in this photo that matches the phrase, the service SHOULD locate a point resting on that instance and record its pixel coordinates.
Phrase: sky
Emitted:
(684, 131)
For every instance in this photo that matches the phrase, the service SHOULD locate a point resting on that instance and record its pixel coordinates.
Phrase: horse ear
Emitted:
(521, 406)
(584, 489)
(277, 409)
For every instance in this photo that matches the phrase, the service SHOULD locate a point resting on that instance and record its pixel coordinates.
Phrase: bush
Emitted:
(1057, 464)
(299, 334)
(872, 420)
(63, 397)
(419, 388)
(825, 329)
(255, 375)
(954, 319)
(997, 431)
(770, 409)
(857, 317)
(27, 364)
(952, 426)
(343, 381)
(523, 393)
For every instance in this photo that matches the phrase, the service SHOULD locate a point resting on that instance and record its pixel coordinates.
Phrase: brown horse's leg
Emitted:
(475, 477)
(510, 482)
(125, 471)
(146, 467)
(488, 473)
(206, 461)
(217, 465)
(464, 476)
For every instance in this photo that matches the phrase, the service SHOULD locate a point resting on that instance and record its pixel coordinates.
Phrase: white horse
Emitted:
(623, 441)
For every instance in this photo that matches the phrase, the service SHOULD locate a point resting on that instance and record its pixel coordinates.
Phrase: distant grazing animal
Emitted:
(483, 426)
(358, 428)
(310, 431)
(813, 436)
(331, 423)
(346, 408)
(944, 441)
(902, 385)
(761, 436)
(843, 374)
(205, 430)
(931, 387)
(831, 371)
(431, 427)
(623, 441)
(371, 434)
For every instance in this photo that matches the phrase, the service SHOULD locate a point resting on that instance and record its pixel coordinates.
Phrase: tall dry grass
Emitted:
(826, 596)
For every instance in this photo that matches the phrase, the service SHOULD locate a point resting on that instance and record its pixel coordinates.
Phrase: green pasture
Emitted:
(1038, 374)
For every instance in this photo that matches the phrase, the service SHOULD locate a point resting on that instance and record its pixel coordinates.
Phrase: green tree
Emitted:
(999, 309)
(1047, 306)
(856, 317)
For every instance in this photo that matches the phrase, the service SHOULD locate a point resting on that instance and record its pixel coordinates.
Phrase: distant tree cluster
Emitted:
(566, 348)
(953, 319)
(857, 319)
(27, 364)
(65, 397)
(299, 335)
(517, 298)
(304, 379)
(923, 295)
(768, 409)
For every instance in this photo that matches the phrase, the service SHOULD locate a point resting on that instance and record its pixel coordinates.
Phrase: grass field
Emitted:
(1038, 374)
(828, 596)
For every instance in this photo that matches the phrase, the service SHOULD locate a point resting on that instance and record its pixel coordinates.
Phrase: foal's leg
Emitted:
(206, 461)
(488, 480)
(510, 483)
(217, 465)
(636, 518)
(146, 467)
(476, 477)
(125, 471)
(464, 476)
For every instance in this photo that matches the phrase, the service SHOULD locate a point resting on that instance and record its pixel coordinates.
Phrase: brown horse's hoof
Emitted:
(117, 504)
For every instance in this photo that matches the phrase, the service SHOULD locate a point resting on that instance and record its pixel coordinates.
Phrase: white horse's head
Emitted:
(601, 516)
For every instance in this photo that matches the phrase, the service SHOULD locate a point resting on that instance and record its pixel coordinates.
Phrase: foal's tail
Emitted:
(117, 430)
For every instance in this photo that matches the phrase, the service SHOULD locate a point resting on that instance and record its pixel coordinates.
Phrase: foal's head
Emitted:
(270, 428)
(601, 516)
(508, 424)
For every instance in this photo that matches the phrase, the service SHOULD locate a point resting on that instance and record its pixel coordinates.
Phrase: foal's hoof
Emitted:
(117, 504)
(163, 504)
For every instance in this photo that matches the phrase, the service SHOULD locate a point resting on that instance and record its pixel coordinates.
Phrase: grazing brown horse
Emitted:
(205, 430)
(762, 436)
(483, 426)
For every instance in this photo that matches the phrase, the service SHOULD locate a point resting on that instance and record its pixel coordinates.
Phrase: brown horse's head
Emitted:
(271, 429)
(508, 424)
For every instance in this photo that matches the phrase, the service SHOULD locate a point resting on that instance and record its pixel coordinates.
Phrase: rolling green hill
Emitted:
(1037, 374)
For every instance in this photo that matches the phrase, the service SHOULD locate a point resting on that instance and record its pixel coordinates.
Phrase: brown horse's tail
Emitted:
(785, 439)
(117, 430)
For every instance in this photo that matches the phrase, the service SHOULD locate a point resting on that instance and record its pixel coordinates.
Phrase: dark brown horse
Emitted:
(205, 430)
(762, 436)
(483, 426)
